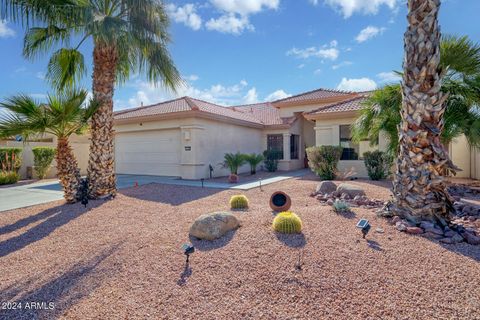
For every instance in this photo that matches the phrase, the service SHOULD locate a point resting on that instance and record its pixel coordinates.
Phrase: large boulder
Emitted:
(326, 187)
(212, 226)
(351, 190)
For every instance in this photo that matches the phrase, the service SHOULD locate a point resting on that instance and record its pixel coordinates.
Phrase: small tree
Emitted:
(42, 160)
(323, 160)
(254, 160)
(233, 161)
(271, 158)
(378, 164)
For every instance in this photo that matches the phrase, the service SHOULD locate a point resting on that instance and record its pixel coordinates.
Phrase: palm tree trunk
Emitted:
(101, 173)
(419, 187)
(67, 170)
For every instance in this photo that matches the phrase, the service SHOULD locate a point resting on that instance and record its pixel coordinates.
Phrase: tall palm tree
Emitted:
(460, 60)
(128, 36)
(63, 115)
(419, 187)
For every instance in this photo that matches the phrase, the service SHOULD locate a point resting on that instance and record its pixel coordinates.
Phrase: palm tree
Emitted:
(253, 160)
(419, 188)
(460, 60)
(128, 36)
(62, 116)
(233, 161)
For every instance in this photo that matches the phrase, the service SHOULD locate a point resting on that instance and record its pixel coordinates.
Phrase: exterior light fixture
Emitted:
(364, 226)
(202, 181)
(188, 249)
(84, 192)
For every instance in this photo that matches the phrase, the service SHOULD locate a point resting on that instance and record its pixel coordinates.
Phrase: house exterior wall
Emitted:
(459, 151)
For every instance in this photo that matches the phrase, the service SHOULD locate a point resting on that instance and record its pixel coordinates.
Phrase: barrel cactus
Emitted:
(239, 202)
(287, 222)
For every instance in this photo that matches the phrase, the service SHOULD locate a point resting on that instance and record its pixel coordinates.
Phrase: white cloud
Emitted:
(317, 72)
(245, 7)
(40, 75)
(368, 33)
(5, 31)
(301, 66)
(314, 2)
(327, 51)
(362, 84)
(277, 95)
(342, 64)
(230, 23)
(186, 15)
(192, 77)
(348, 7)
(251, 96)
(386, 77)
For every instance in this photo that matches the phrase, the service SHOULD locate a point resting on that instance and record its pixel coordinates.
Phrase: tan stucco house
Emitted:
(186, 136)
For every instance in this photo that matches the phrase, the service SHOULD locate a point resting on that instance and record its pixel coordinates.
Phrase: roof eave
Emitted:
(314, 101)
(330, 115)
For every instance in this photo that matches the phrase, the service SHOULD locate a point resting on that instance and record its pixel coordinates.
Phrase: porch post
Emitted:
(286, 146)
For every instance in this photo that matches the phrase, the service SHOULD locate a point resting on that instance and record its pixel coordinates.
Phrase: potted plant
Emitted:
(233, 161)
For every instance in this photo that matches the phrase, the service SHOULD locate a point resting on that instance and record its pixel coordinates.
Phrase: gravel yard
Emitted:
(122, 259)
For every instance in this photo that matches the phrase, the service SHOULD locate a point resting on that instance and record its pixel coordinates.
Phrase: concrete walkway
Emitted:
(46, 191)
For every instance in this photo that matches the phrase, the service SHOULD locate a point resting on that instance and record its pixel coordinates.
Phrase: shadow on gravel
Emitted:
(56, 217)
(187, 272)
(464, 249)
(374, 245)
(292, 240)
(169, 194)
(347, 214)
(50, 300)
(207, 245)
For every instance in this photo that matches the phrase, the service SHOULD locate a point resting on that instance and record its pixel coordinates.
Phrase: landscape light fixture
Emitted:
(260, 182)
(188, 249)
(364, 226)
(84, 191)
(202, 180)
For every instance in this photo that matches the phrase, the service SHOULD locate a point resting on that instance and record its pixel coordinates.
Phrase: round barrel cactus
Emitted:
(239, 202)
(287, 222)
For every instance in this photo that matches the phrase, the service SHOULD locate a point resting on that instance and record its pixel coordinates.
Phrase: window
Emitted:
(350, 149)
(275, 143)
(294, 146)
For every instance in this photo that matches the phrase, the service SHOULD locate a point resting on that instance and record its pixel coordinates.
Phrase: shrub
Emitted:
(253, 160)
(10, 159)
(271, 160)
(323, 160)
(378, 164)
(9, 177)
(42, 160)
(341, 206)
(239, 202)
(233, 161)
(287, 222)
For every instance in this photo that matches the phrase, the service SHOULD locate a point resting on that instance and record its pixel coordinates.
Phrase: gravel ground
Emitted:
(122, 260)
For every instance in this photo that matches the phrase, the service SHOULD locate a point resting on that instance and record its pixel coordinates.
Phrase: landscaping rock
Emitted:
(379, 230)
(212, 226)
(414, 230)
(351, 190)
(427, 225)
(471, 238)
(432, 235)
(330, 202)
(434, 230)
(401, 226)
(326, 187)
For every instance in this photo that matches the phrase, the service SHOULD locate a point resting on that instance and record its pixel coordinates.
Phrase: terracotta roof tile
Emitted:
(177, 105)
(314, 95)
(354, 104)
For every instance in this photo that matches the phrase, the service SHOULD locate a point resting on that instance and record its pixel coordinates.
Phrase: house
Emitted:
(188, 137)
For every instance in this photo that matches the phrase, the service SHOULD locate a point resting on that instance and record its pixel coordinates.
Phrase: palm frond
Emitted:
(65, 68)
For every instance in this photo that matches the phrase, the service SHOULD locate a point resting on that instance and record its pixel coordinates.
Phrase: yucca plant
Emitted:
(253, 160)
(233, 161)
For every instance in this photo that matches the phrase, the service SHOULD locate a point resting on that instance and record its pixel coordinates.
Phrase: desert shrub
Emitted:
(9, 177)
(253, 160)
(378, 164)
(271, 160)
(341, 206)
(287, 222)
(233, 161)
(10, 159)
(323, 160)
(42, 160)
(239, 202)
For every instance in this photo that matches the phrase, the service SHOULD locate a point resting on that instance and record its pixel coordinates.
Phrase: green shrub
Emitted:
(271, 160)
(287, 222)
(10, 159)
(378, 164)
(9, 177)
(233, 161)
(239, 202)
(323, 160)
(253, 160)
(42, 160)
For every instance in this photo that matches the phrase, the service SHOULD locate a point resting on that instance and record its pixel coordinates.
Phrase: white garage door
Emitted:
(148, 152)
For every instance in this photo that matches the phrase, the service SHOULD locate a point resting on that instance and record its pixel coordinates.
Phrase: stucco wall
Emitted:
(459, 151)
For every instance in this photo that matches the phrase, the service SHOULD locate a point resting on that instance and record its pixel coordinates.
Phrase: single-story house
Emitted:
(188, 137)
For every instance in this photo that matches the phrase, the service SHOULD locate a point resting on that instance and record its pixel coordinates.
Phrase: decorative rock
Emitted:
(427, 225)
(330, 202)
(212, 226)
(401, 226)
(471, 238)
(351, 190)
(379, 230)
(432, 235)
(326, 187)
(457, 238)
(434, 230)
(450, 233)
(396, 219)
(414, 230)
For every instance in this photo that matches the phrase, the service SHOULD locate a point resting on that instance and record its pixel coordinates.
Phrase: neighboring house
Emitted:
(185, 136)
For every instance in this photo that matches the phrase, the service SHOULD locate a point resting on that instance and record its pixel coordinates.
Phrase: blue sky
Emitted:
(245, 51)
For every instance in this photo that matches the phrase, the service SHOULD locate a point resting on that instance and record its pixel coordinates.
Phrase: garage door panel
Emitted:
(148, 152)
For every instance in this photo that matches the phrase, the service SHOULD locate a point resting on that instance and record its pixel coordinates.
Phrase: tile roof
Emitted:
(353, 104)
(266, 113)
(314, 95)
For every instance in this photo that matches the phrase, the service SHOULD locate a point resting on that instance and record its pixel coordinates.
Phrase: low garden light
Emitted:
(202, 180)
(188, 249)
(364, 225)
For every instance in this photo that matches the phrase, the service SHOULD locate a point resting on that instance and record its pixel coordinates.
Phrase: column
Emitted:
(286, 146)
